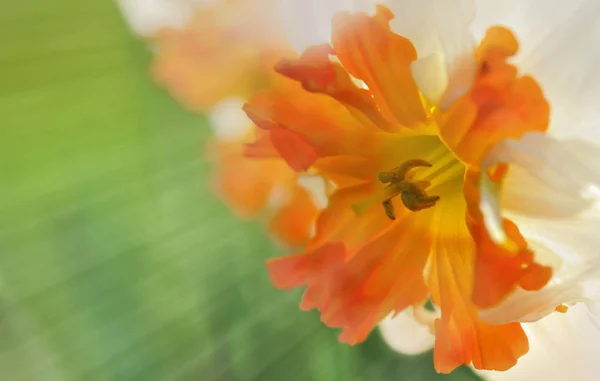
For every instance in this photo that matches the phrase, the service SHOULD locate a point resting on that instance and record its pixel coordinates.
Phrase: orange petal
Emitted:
(346, 171)
(304, 127)
(293, 224)
(507, 106)
(261, 147)
(245, 184)
(298, 153)
(318, 74)
(461, 336)
(499, 270)
(457, 121)
(498, 43)
(356, 291)
(370, 51)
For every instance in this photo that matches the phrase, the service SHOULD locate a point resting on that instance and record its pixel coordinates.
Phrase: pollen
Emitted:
(412, 192)
(562, 308)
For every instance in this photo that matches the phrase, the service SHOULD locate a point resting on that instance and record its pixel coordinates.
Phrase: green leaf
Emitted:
(116, 263)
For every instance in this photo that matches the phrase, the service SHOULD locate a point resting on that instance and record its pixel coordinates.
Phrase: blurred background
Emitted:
(116, 262)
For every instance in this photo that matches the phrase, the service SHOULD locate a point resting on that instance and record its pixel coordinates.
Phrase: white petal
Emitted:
(531, 306)
(405, 335)
(228, 120)
(547, 194)
(430, 76)
(561, 347)
(438, 27)
(566, 67)
(308, 22)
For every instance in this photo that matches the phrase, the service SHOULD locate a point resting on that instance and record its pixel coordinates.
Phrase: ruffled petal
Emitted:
(303, 127)
(371, 52)
(461, 336)
(358, 269)
(504, 260)
(507, 105)
(319, 74)
(565, 218)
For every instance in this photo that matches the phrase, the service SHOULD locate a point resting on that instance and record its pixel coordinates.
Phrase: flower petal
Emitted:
(553, 34)
(358, 269)
(304, 127)
(318, 74)
(565, 218)
(245, 184)
(556, 341)
(371, 52)
(504, 260)
(404, 334)
(439, 30)
(507, 105)
(563, 171)
(308, 22)
(293, 224)
(461, 336)
(346, 171)
(498, 270)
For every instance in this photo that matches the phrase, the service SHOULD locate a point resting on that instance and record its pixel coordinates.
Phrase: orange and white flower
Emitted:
(447, 180)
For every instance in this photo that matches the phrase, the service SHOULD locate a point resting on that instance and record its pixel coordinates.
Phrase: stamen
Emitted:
(389, 209)
(412, 192)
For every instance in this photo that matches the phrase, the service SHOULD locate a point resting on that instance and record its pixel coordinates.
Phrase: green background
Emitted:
(115, 261)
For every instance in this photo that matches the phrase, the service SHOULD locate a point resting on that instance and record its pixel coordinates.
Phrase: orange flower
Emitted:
(404, 224)
(223, 52)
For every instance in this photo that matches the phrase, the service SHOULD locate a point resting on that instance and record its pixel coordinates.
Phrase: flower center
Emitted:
(412, 192)
(421, 182)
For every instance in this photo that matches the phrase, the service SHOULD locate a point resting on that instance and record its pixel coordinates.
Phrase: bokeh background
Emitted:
(116, 262)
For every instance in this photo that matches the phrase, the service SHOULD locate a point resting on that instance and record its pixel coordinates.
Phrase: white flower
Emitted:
(552, 191)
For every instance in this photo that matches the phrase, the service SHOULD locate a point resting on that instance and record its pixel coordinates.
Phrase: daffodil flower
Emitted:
(451, 184)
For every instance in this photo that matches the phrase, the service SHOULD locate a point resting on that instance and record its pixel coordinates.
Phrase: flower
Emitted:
(226, 50)
(419, 154)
